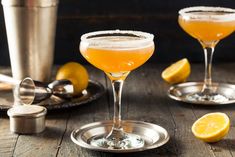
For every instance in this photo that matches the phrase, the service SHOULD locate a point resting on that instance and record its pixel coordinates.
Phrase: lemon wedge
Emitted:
(211, 127)
(177, 72)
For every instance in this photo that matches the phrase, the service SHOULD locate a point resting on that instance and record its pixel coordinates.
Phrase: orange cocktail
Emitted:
(207, 29)
(116, 59)
(117, 52)
(208, 25)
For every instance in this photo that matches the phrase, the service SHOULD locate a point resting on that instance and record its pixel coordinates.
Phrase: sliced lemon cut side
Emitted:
(177, 72)
(211, 127)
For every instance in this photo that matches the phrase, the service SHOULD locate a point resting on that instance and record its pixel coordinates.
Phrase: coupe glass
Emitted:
(208, 25)
(117, 52)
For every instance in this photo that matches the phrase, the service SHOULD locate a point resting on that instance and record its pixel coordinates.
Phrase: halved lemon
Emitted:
(177, 72)
(76, 73)
(211, 127)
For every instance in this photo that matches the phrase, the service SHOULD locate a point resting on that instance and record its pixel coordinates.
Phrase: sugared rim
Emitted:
(146, 37)
(189, 12)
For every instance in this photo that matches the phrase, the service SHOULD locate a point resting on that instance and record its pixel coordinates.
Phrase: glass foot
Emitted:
(127, 141)
(213, 97)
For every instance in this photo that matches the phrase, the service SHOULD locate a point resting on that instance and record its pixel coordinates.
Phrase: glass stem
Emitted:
(208, 53)
(117, 134)
(117, 94)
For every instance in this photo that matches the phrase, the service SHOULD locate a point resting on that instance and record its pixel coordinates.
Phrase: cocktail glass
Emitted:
(208, 25)
(117, 52)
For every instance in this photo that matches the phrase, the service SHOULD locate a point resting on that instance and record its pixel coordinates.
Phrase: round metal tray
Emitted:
(153, 135)
(94, 91)
(180, 91)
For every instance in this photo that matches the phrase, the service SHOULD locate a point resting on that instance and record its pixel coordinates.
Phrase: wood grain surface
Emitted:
(144, 99)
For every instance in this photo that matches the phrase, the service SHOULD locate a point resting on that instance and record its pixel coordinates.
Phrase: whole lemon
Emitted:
(76, 73)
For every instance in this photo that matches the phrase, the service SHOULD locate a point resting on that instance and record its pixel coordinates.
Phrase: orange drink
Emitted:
(208, 25)
(115, 59)
(117, 53)
(207, 29)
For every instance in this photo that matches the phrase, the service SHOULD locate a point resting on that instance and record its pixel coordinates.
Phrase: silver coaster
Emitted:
(183, 91)
(153, 135)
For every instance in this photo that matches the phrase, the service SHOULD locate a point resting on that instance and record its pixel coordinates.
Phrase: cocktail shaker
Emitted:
(31, 27)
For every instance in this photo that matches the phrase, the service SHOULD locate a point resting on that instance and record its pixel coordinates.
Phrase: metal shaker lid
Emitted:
(27, 111)
(30, 3)
(27, 119)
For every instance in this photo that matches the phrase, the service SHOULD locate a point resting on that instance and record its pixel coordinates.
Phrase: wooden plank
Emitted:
(144, 98)
(45, 143)
(7, 139)
(227, 71)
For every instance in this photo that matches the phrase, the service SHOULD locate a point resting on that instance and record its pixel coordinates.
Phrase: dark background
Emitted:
(159, 17)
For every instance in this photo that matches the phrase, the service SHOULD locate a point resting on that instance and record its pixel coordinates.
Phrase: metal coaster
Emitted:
(180, 92)
(153, 135)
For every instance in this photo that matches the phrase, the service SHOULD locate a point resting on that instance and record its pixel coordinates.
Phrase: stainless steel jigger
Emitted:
(32, 92)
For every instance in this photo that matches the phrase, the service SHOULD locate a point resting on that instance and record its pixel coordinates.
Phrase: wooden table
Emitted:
(144, 99)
